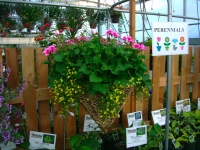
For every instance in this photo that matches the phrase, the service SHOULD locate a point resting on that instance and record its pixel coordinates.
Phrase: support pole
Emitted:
(169, 63)
(132, 18)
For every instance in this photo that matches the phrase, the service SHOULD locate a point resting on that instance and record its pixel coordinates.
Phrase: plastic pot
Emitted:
(190, 146)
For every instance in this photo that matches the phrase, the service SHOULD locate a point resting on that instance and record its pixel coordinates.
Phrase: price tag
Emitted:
(90, 124)
(136, 136)
(198, 103)
(183, 105)
(39, 140)
(191, 139)
(134, 118)
(159, 116)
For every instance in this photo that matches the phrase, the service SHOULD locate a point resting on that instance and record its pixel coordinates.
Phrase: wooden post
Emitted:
(132, 18)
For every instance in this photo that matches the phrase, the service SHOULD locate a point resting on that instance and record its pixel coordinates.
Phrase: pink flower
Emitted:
(52, 48)
(129, 39)
(47, 25)
(92, 31)
(56, 33)
(115, 34)
(70, 41)
(136, 46)
(124, 38)
(109, 32)
(46, 51)
(142, 47)
(158, 39)
(42, 29)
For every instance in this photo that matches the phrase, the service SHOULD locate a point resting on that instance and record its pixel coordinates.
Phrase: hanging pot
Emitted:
(115, 19)
(93, 26)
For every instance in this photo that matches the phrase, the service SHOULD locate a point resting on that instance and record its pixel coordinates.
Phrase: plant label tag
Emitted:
(159, 116)
(177, 131)
(136, 136)
(160, 146)
(198, 103)
(191, 139)
(40, 140)
(90, 124)
(134, 118)
(9, 146)
(183, 105)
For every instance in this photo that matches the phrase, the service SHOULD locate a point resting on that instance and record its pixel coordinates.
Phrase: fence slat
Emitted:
(174, 74)
(195, 90)
(42, 82)
(58, 123)
(29, 94)
(81, 115)
(13, 80)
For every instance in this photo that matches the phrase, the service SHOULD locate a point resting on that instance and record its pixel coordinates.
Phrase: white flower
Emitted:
(17, 125)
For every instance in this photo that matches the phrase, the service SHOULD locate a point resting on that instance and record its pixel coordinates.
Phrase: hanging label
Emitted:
(159, 116)
(183, 105)
(134, 119)
(191, 139)
(136, 136)
(90, 124)
(39, 140)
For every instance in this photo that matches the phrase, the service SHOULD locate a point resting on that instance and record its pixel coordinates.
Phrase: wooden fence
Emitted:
(36, 96)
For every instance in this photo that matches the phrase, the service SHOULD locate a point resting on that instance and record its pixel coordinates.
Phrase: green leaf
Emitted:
(84, 69)
(60, 67)
(95, 78)
(91, 143)
(83, 148)
(74, 140)
(96, 59)
(58, 57)
(103, 88)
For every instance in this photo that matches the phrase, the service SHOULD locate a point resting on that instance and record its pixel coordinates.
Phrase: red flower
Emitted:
(22, 103)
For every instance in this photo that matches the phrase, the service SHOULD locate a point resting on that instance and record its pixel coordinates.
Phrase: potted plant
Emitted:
(10, 23)
(115, 16)
(89, 12)
(52, 12)
(96, 18)
(97, 72)
(29, 14)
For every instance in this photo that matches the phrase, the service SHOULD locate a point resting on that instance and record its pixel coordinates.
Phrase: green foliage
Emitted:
(84, 141)
(97, 17)
(29, 13)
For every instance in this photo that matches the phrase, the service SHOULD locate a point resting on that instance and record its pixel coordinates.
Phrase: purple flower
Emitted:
(6, 136)
(1, 99)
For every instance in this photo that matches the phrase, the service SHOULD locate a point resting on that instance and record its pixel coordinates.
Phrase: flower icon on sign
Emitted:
(158, 45)
(182, 42)
(167, 44)
(174, 46)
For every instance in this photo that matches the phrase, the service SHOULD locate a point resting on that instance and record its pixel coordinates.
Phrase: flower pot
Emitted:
(61, 26)
(13, 27)
(93, 26)
(190, 146)
(115, 19)
(122, 146)
(158, 48)
(28, 25)
(198, 143)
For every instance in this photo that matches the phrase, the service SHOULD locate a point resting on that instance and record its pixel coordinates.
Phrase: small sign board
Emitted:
(8, 146)
(183, 105)
(159, 116)
(39, 140)
(90, 124)
(169, 38)
(136, 136)
(134, 118)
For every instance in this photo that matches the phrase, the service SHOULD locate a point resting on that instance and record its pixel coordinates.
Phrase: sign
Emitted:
(136, 136)
(8, 146)
(159, 116)
(134, 118)
(39, 140)
(198, 103)
(183, 105)
(169, 38)
(90, 124)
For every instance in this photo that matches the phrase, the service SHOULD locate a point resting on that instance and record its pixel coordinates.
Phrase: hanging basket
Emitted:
(13, 27)
(28, 25)
(115, 19)
(93, 25)
(90, 102)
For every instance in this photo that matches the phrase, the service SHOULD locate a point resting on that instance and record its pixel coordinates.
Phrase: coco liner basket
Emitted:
(90, 102)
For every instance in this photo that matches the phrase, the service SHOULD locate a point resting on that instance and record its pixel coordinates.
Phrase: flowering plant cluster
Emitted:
(46, 26)
(93, 65)
(8, 111)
